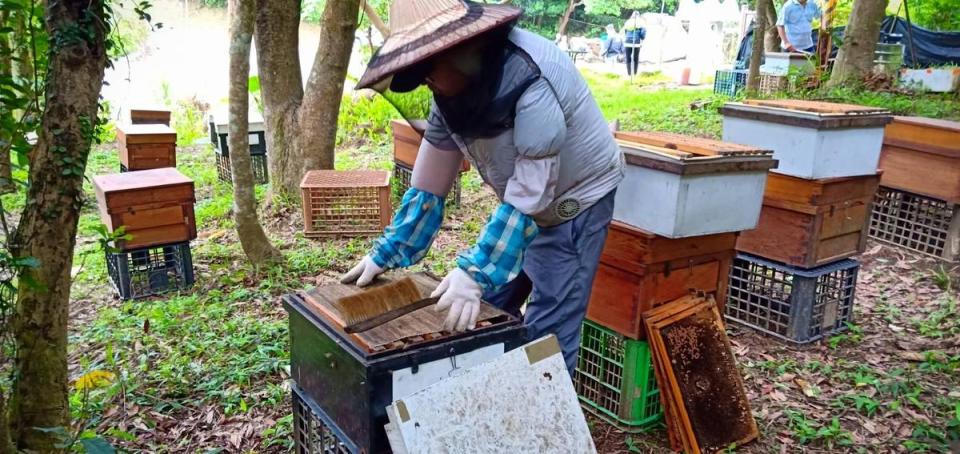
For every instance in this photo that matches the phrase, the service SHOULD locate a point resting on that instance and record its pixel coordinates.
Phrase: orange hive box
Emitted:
(147, 146)
(922, 156)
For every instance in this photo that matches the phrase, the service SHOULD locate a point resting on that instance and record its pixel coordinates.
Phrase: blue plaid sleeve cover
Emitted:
(498, 256)
(408, 238)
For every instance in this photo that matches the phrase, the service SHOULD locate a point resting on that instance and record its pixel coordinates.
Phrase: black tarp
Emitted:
(932, 48)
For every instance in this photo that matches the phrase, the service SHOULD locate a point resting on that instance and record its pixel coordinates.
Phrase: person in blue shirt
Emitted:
(612, 46)
(795, 25)
(634, 33)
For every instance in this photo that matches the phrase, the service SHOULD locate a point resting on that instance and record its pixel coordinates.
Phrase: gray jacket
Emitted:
(558, 160)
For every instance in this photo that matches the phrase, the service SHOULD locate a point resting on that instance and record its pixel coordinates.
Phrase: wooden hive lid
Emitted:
(947, 125)
(682, 155)
(147, 133)
(819, 107)
(697, 146)
(418, 328)
(345, 179)
(141, 179)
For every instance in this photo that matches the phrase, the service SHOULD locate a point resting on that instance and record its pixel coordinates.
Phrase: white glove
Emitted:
(461, 295)
(364, 273)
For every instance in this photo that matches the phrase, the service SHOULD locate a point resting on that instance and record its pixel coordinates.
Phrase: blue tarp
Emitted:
(932, 48)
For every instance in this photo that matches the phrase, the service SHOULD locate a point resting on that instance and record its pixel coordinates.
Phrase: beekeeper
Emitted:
(514, 105)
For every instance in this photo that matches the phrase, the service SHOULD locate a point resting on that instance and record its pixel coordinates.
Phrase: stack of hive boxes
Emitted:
(676, 219)
(257, 140)
(406, 146)
(148, 208)
(794, 278)
(918, 204)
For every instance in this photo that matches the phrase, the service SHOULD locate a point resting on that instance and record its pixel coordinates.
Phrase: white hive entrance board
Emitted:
(520, 402)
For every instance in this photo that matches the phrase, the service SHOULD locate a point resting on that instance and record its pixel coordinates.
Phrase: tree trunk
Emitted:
(281, 88)
(771, 38)
(6, 182)
(48, 227)
(375, 19)
(252, 237)
(565, 19)
(321, 103)
(759, 29)
(855, 60)
(302, 128)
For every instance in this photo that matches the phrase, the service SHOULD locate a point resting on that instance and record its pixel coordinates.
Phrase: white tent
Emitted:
(665, 39)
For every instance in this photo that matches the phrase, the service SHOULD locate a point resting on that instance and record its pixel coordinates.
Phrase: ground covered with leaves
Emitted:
(207, 370)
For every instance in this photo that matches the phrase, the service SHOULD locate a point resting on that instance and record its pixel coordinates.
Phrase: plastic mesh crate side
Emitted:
(258, 164)
(791, 303)
(150, 271)
(614, 379)
(729, 82)
(401, 183)
(312, 432)
(921, 224)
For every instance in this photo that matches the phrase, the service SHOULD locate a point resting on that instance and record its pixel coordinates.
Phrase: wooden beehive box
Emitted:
(808, 223)
(406, 142)
(810, 139)
(155, 206)
(149, 116)
(353, 377)
(922, 156)
(639, 271)
(679, 186)
(147, 146)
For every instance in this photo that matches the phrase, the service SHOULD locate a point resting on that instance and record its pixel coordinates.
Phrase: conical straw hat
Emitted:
(420, 29)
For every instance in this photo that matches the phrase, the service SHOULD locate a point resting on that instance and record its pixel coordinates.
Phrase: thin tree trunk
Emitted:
(565, 19)
(321, 103)
(771, 38)
(375, 19)
(855, 60)
(278, 62)
(48, 227)
(759, 29)
(252, 237)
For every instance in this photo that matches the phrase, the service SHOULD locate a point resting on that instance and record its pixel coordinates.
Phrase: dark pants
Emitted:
(559, 267)
(633, 59)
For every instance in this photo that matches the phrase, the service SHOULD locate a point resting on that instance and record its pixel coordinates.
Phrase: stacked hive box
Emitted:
(155, 210)
(676, 216)
(149, 116)
(406, 146)
(794, 278)
(918, 205)
(257, 141)
(146, 146)
(343, 382)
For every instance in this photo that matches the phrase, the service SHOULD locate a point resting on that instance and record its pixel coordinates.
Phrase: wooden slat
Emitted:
(693, 145)
(920, 172)
(815, 106)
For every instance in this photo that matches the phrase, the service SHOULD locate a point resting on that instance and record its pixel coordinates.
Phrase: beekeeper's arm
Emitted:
(416, 223)
(539, 131)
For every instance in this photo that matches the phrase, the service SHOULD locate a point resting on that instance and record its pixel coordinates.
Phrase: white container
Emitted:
(781, 63)
(684, 196)
(810, 139)
(938, 80)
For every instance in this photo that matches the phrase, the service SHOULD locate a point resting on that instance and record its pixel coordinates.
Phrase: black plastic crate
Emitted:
(921, 224)
(150, 271)
(791, 303)
(258, 163)
(729, 82)
(313, 432)
(402, 175)
(257, 140)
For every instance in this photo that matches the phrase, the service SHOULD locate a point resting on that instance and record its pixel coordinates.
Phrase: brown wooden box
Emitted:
(639, 271)
(406, 142)
(922, 156)
(147, 146)
(808, 223)
(156, 206)
(149, 116)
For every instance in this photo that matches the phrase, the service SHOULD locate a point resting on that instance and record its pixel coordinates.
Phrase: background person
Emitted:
(795, 25)
(612, 50)
(634, 34)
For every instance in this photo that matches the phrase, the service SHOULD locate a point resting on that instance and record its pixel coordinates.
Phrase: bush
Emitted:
(187, 118)
(368, 118)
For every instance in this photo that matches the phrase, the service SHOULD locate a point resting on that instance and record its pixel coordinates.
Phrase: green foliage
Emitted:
(214, 3)
(808, 431)
(311, 11)
(187, 118)
(364, 117)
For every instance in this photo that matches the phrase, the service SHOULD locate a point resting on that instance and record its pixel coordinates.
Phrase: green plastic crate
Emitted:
(615, 379)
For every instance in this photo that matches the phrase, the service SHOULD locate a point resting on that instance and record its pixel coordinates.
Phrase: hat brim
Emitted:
(405, 50)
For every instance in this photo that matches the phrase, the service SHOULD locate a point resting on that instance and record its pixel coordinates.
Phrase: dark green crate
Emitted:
(615, 379)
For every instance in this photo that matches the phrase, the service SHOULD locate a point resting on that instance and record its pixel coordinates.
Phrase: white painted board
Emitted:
(521, 402)
(407, 382)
